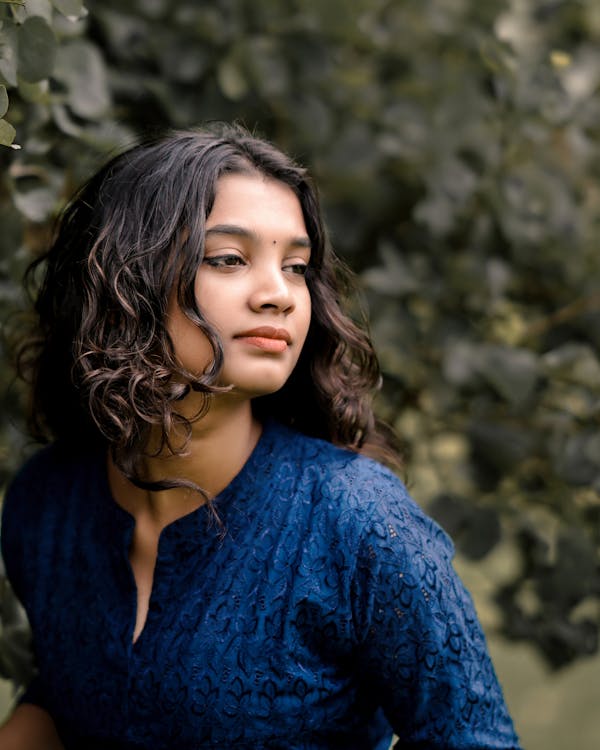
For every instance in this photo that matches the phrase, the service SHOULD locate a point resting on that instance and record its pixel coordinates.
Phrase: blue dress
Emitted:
(324, 614)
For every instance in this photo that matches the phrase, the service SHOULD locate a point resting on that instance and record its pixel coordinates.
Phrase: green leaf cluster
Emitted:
(28, 47)
(456, 144)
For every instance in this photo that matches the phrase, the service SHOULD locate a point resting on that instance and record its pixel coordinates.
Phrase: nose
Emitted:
(271, 290)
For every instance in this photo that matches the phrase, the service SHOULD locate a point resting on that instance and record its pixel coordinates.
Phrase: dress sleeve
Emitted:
(15, 530)
(422, 651)
(11, 533)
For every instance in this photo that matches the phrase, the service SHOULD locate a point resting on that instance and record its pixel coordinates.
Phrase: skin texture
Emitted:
(29, 728)
(256, 253)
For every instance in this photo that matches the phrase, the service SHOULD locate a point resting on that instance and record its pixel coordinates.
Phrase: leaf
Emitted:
(231, 79)
(7, 133)
(513, 373)
(452, 185)
(3, 101)
(35, 92)
(72, 9)
(574, 362)
(571, 579)
(36, 204)
(36, 49)
(498, 448)
(8, 53)
(461, 362)
(339, 16)
(64, 121)
(577, 459)
(29, 8)
(183, 61)
(11, 234)
(475, 530)
(267, 65)
(481, 533)
(394, 277)
(450, 511)
(15, 642)
(81, 68)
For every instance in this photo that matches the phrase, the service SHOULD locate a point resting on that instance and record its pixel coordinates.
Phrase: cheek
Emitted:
(306, 311)
(215, 302)
(192, 348)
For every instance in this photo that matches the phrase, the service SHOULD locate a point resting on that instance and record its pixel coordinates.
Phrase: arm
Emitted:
(29, 728)
(422, 651)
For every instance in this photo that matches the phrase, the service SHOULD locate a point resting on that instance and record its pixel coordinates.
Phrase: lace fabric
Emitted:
(326, 616)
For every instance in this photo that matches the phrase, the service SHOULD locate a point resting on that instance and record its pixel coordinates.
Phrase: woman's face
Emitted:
(251, 286)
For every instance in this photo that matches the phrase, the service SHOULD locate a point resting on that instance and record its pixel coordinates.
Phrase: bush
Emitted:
(456, 146)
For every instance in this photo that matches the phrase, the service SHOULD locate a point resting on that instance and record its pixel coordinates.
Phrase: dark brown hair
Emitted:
(101, 364)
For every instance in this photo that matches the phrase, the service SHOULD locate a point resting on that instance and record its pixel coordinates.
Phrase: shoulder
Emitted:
(40, 472)
(38, 505)
(41, 489)
(35, 472)
(360, 497)
(332, 463)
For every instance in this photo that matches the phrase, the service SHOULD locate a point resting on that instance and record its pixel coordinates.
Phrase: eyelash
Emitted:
(298, 268)
(220, 261)
(223, 261)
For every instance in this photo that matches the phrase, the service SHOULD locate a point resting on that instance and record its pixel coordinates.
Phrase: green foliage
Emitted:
(456, 146)
(16, 659)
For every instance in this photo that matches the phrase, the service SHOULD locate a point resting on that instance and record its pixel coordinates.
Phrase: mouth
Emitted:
(267, 338)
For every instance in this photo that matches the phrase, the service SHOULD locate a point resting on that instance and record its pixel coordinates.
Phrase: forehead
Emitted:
(254, 200)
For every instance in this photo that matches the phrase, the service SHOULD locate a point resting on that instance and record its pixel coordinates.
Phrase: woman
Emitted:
(206, 557)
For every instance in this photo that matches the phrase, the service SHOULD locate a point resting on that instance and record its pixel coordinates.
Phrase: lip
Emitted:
(266, 332)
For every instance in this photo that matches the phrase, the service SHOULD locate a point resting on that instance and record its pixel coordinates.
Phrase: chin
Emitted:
(257, 381)
(254, 390)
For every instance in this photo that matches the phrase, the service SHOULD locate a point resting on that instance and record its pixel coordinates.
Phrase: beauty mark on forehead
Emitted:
(233, 230)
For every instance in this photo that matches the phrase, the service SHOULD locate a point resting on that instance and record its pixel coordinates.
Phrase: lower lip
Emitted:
(267, 345)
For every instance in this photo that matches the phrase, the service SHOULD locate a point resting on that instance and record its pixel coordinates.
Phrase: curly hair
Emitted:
(101, 364)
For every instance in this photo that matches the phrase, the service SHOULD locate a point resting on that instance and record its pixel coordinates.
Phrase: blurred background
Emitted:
(456, 144)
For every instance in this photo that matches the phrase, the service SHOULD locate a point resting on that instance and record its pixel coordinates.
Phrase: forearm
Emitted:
(29, 728)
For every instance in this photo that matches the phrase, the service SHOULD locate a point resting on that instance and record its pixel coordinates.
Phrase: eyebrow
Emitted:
(236, 231)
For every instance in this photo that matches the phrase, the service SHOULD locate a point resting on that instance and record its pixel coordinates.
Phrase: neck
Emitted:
(221, 442)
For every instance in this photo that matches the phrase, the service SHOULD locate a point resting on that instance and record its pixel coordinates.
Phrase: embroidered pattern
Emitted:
(327, 614)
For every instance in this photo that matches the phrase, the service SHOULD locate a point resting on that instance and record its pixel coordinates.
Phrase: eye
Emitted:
(228, 260)
(297, 268)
